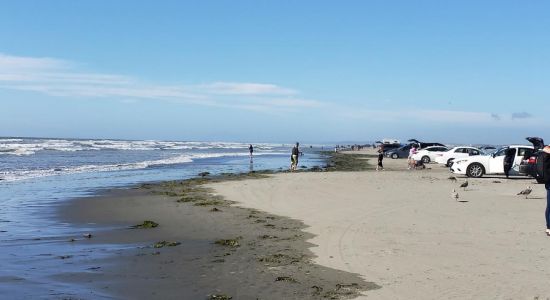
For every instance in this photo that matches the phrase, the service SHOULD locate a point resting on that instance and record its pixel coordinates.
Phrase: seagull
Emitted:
(454, 195)
(452, 178)
(526, 192)
(464, 184)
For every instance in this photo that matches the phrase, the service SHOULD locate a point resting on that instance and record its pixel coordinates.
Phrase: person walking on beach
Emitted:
(294, 157)
(251, 150)
(380, 158)
(546, 174)
(411, 159)
(509, 161)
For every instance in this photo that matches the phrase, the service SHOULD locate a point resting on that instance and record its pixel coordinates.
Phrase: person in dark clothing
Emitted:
(509, 160)
(294, 157)
(380, 158)
(546, 174)
(251, 150)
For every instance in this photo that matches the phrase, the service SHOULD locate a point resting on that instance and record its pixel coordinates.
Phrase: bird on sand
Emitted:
(454, 195)
(452, 178)
(526, 192)
(464, 184)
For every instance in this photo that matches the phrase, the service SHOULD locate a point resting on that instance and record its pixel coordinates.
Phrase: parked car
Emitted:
(389, 147)
(400, 152)
(477, 166)
(429, 154)
(422, 145)
(447, 158)
(488, 149)
(532, 164)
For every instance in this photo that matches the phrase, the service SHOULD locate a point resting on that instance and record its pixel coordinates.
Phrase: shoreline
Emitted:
(272, 260)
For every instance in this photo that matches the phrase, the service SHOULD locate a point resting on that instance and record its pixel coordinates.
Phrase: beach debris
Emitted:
(464, 184)
(267, 237)
(454, 195)
(229, 242)
(452, 178)
(219, 297)
(219, 260)
(87, 235)
(208, 202)
(93, 268)
(145, 224)
(497, 181)
(260, 221)
(65, 256)
(317, 290)
(526, 192)
(165, 244)
(204, 174)
(286, 278)
(215, 209)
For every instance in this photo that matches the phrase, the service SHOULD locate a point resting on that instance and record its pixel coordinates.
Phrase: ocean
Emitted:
(37, 174)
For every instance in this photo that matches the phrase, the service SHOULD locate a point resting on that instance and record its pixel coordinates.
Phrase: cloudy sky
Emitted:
(276, 71)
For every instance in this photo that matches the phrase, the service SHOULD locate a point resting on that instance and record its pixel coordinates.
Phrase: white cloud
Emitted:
(61, 78)
(64, 79)
(236, 88)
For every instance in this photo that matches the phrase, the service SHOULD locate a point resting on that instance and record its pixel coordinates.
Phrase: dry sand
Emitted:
(402, 230)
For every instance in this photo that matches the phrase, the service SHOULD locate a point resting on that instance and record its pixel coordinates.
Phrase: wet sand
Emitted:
(224, 250)
(401, 229)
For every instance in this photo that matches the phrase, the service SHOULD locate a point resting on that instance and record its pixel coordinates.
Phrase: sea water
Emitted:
(38, 174)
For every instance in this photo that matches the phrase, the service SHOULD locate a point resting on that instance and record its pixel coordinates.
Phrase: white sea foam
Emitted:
(31, 146)
(16, 175)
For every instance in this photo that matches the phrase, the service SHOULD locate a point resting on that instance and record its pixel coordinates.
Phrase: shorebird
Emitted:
(526, 192)
(452, 178)
(454, 195)
(464, 184)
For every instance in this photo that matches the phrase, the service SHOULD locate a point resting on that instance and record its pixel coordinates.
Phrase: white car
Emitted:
(429, 154)
(477, 166)
(447, 158)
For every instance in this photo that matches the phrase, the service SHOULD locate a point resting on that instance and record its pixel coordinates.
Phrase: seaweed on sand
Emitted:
(349, 162)
(286, 278)
(229, 242)
(165, 243)
(219, 297)
(145, 224)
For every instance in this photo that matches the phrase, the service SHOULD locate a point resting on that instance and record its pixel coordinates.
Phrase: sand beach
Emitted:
(393, 234)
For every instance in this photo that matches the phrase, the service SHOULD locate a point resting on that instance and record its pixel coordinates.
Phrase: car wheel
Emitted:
(394, 155)
(475, 170)
(450, 162)
(426, 159)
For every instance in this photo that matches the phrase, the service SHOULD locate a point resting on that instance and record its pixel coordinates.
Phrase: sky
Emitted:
(276, 71)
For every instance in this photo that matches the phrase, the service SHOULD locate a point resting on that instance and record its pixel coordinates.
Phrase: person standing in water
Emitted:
(294, 157)
(251, 150)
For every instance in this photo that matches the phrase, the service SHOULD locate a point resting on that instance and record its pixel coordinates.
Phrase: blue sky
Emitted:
(317, 71)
